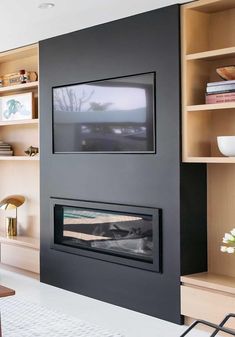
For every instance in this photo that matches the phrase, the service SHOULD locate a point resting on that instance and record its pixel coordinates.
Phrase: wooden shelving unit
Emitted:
(211, 281)
(208, 42)
(19, 158)
(211, 160)
(24, 241)
(19, 87)
(211, 55)
(22, 122)
(19, 174)
(209, 107)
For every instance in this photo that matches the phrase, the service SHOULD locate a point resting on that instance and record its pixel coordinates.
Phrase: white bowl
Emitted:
(226, 145)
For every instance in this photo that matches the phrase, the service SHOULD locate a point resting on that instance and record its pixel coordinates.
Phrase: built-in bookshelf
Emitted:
(19, 174)
(208, 42)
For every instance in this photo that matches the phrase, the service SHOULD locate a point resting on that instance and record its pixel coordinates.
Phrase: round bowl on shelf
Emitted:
(226, 145)
(226, 73)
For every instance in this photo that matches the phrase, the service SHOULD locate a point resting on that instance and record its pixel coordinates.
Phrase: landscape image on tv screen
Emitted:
(109, 116)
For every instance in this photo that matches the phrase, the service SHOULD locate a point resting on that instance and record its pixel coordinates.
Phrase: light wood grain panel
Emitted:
(183, 85)
(19, 240)
(222, 283)
(196, 31)
(197, 76)
(216, 54)
(20, 137)
(19, 271)
(205, 107)
(200, 131)
(199, 134)
(211, 6)
(27, 63)
(222, 29)
(20, 174)
(22, 178)
(222, 124)
(212, 160)
(19, 122)
(20, 158)
(20, 257)
(19, 53)
(221, 216)
(17, 87)
(209, 29)
(202, 304)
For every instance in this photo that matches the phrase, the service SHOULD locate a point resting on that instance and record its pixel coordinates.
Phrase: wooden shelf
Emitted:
(20, 122)
(211, 281)
(212, 54)
(211, 6)
(23, 158)
(217, 106)
(19, 53)
(24, 241)
(18, 87)
(218, 160)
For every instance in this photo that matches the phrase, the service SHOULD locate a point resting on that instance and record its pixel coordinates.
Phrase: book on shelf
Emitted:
(220, 87)
(219, 90)
(212, 84)
(5, 149)
(220, 98)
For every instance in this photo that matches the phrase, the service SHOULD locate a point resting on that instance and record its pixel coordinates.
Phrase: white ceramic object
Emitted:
(226, 145)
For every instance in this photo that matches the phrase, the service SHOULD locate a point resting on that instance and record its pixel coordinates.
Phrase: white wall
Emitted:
(23, 23)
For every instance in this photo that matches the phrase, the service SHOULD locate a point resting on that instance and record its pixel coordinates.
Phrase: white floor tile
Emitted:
(127, 322)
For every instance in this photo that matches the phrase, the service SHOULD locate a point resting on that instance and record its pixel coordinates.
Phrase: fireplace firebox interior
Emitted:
(111, 231)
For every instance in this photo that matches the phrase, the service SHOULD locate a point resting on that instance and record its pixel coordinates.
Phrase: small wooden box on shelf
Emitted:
(19, 174)
(208, 42)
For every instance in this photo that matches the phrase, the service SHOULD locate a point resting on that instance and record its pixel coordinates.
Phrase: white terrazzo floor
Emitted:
(106, 316)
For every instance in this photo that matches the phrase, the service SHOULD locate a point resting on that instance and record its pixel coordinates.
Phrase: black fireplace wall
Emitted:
(139, 44)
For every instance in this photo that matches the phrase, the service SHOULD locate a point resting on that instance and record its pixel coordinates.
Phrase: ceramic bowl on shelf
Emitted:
(227, 72)
(226, 145)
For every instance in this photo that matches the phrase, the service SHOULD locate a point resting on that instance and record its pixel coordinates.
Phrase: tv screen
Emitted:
(109, 116)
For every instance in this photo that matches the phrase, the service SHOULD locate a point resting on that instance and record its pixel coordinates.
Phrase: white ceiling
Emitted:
(23, 23)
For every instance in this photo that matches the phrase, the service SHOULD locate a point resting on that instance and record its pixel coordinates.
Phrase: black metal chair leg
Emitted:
(223, 323)
(211, 325)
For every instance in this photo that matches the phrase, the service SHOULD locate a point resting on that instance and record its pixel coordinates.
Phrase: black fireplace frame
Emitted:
(155, 266)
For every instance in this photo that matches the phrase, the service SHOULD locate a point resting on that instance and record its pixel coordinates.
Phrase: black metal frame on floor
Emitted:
(217, 328)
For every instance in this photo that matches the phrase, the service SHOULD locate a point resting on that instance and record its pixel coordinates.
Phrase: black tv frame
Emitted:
(108, 152)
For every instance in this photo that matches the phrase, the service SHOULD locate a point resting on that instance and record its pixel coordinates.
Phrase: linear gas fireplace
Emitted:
(117, 233)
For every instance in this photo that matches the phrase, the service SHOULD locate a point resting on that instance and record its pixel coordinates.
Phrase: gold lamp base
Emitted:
(11, 226)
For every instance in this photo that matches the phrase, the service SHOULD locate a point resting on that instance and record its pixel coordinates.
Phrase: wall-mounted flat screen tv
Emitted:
(115, 115)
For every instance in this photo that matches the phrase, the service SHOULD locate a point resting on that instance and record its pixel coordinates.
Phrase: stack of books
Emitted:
(220, 92)
(5, 149)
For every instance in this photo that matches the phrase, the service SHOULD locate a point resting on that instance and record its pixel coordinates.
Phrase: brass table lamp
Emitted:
(9, 203)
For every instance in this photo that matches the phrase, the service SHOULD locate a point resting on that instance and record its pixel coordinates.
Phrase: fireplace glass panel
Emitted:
(116, 233)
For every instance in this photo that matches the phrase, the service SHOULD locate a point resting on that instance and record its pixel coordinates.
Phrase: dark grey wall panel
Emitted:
(142, 43)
